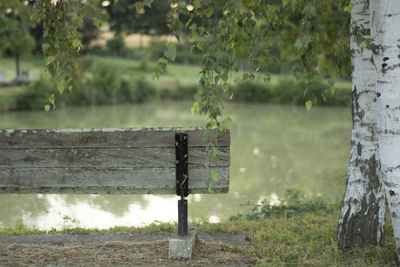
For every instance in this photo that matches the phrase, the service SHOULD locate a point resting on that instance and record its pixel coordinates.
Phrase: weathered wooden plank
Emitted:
(102, 138)
(107, 181)
(106, 157)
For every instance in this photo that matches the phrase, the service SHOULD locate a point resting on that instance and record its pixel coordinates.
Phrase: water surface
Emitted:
(273, 148)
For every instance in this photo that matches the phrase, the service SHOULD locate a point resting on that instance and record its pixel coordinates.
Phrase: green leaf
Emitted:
(162, 60)
(209, 12)
(147, 3)
(195, 36)
(52, 100)
(331, 90)
(97, 22)
(245, 76)
(200, 45)
(76, 43)
(214, 175)
(139, 7)
(47, 108)
(60, 88)
(227, 123)
(171, 52)
(224, 77)
(195, 108)
(196, 4)
(349, 8)
(213, 154)
(45, 47)
(211, 124)
(285, 2)
(309, 104)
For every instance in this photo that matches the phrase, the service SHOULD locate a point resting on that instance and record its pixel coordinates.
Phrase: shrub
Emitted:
(116, 46)
(37, 94)
(104, 84)
(144, 91)
(249, 91)
(101, 84)
(288, 91)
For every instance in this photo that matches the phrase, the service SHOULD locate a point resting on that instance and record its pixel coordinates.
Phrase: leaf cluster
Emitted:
(314, 31)
(61, 20)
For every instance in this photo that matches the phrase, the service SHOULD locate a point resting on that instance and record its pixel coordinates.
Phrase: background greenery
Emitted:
(116, 80)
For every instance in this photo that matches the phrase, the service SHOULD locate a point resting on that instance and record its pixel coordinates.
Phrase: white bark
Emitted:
(362, 216)
(385, 31)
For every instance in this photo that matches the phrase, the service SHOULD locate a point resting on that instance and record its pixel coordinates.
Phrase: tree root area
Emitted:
(118, 253)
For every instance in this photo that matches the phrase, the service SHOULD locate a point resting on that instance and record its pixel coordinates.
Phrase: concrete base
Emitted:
(181, 248)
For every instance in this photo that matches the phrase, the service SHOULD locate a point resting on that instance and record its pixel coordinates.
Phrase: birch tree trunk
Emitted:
(362, 215)
(385, 33)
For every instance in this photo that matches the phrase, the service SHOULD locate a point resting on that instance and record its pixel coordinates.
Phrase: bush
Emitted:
(144, 91)
(104, 85)
(37, 94)
(7, 103)
(249, 91)
(288, 91)
(116, 46)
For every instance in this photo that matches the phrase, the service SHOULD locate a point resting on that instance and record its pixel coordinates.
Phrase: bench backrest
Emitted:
(108, 161)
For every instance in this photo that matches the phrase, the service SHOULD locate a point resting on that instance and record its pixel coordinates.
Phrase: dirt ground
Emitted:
(119, 250)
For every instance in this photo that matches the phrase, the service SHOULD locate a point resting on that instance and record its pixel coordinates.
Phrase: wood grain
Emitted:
(108, 180)
(107, 157)
(107, 137)
(113, 161)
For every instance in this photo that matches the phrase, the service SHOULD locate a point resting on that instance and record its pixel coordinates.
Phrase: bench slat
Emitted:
(107, 137)
(107, 181)
(109, 157)
(114, 161)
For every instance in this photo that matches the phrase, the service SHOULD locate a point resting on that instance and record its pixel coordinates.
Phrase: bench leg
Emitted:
(182, 217)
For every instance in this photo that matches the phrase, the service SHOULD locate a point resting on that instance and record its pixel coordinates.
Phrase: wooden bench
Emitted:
(115, 161)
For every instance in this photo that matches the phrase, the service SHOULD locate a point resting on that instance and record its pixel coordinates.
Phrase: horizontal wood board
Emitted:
(107, 161)
(108, 181)
(107, 137)
(107, 157)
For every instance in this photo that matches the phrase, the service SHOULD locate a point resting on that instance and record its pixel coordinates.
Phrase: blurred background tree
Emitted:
(15, 36)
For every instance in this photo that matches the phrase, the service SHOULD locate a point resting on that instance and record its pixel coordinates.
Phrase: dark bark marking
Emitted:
(386, 68)
(381, 82)
(356, 111)
(392, 193)
(378, 94)
(375, 48)
(359, 149)
(387, 106)
(385, 59)
(354, 227)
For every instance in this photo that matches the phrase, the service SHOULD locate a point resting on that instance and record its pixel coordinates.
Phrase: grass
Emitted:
(304, 237)
(33, 64)
(307, 240)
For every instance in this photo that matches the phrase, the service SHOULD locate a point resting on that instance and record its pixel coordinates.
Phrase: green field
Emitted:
(182, 76)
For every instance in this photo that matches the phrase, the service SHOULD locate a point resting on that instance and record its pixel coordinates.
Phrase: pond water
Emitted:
(273, 148)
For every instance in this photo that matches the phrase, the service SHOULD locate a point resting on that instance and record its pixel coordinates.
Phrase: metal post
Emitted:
(182, 217)
(182, 181)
